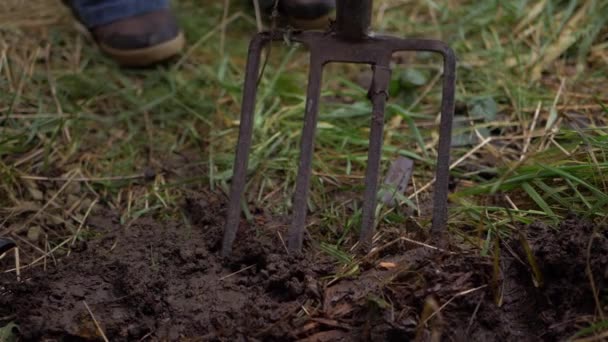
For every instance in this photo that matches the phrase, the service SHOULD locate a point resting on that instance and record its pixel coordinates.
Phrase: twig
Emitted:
(55, 195)
(454, 164)
(17, 264)
(258, 15)
(472, 319)
(402, 238)
(25, 241)
(84, 219)
(460, 294)
(237, 272)
(560, 147)
(529, 135)
(282, 241)
(511, 203)
(83, 179)
(416, 196)
(7, 318)
(46, 248)
(425, 245)
(103, 335)
(28, 157)
(42, 257)
(145, 336)
(554, 105)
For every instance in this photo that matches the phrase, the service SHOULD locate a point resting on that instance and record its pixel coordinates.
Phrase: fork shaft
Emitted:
(378, 94)
(296, 232)
(353, 18)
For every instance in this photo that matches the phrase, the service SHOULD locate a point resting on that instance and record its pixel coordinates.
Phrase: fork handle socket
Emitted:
(353, 18)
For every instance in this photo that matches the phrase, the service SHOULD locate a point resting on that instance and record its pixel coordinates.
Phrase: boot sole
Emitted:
(145, 56)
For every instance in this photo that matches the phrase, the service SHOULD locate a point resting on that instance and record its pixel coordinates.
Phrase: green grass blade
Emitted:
(536, 197)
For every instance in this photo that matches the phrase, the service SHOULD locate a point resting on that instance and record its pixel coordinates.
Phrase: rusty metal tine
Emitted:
(440, 212)
(233, 214)
(440, 200)
(378, 94)
(300, 206)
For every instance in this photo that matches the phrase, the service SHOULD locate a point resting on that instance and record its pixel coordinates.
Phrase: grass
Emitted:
(530, 141)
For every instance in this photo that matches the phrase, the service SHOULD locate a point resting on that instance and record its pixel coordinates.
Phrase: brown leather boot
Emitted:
(141, 40)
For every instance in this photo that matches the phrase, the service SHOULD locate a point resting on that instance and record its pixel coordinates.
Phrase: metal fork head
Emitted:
(347, 41)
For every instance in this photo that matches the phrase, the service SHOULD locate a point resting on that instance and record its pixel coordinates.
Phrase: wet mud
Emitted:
(163, 280)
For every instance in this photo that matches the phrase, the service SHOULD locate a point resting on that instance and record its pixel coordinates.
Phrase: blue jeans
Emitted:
(94, 13)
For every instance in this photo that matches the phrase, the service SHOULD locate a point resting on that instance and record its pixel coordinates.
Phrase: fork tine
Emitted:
(296, 231)
(233, 214)
(378, 94)
(440, 201)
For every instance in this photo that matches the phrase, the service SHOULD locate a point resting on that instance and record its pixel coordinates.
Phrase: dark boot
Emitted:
(141, 40)
(134, 33)
(304, 14)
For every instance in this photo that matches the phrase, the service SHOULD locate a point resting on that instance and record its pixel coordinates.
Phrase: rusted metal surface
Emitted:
(346, 42)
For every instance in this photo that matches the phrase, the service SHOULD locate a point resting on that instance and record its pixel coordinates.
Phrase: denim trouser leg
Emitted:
(94, 13)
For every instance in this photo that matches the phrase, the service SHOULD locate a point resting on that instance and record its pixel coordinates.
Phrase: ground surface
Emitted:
(165, 281)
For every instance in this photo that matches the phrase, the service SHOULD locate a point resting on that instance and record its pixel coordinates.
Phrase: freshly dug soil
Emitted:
(165, 281)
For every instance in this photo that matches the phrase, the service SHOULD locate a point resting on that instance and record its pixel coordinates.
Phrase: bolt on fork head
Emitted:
(347, 41)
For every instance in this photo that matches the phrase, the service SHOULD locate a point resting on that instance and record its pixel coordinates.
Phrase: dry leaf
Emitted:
(387, 265)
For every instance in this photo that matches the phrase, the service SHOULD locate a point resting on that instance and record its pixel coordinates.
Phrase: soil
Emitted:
(163, 280)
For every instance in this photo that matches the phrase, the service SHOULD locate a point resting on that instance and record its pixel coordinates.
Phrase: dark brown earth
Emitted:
(161, 280)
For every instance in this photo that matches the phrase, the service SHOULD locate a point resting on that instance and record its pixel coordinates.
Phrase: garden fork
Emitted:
(347, 41)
